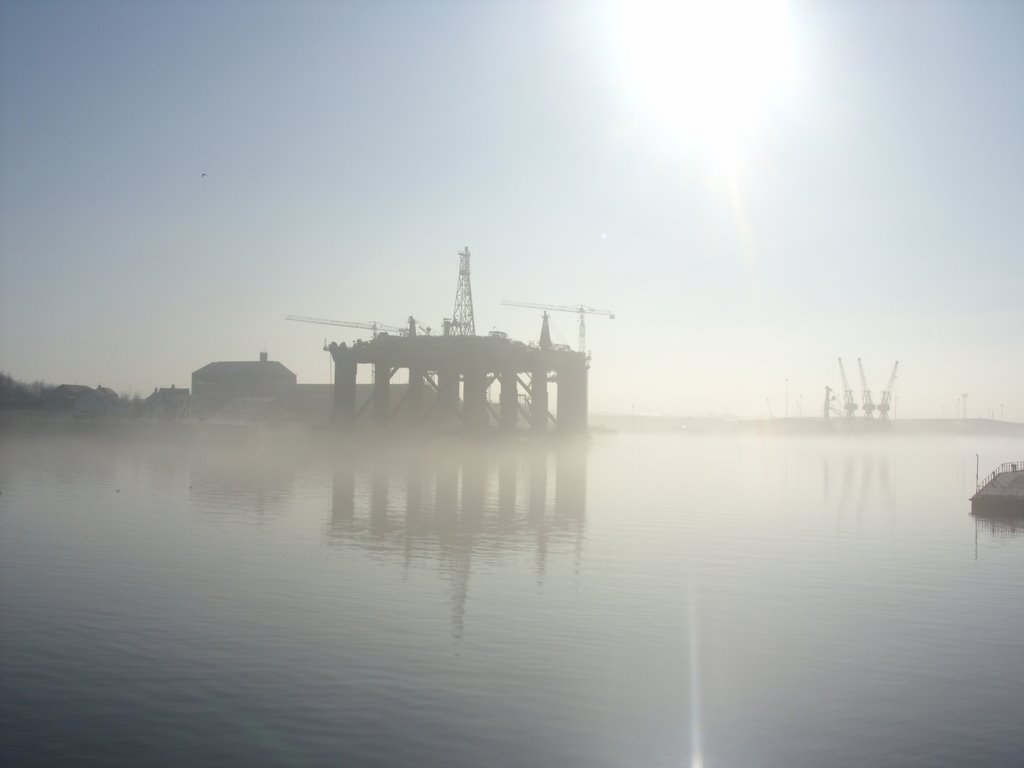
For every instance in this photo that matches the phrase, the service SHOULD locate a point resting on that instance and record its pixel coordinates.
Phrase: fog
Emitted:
(288, 596)
(512, 383)
(843, 182)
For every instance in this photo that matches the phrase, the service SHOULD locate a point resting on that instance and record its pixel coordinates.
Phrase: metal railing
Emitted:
(1006, 466)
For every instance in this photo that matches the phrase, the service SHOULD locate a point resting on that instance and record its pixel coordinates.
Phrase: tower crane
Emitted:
(581, 309)
(869, 404)
(849, 404)
(883, 407)
(372, 326)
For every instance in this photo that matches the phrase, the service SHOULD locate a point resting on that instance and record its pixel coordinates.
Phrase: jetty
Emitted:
(1002, 492)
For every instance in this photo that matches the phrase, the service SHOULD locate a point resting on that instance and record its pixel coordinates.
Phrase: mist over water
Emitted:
(268, 598)
(728, 286)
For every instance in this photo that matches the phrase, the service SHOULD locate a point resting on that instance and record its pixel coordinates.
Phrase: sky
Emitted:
(754, 189)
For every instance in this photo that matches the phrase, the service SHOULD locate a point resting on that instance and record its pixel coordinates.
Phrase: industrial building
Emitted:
(251, 385)
(252, 391)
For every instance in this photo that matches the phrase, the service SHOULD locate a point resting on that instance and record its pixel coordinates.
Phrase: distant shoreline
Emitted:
(806, 426)
(41, 423)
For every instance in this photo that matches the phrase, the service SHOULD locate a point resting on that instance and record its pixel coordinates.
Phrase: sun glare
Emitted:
(704, 74)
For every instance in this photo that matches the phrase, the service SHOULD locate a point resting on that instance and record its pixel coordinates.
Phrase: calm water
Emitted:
(645, 600)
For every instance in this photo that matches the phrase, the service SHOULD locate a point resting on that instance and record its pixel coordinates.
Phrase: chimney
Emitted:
(263, 357)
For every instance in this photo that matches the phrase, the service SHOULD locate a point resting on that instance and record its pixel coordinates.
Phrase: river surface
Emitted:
(259, 598)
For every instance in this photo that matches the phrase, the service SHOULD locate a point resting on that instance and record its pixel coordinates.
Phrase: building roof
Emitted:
(247, 368)
(169, 393)
(70, 390)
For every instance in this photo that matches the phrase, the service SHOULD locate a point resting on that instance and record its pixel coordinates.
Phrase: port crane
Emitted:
(581, 309)
(869, 404)
(849, 404)
(885, 404)
(830, 409)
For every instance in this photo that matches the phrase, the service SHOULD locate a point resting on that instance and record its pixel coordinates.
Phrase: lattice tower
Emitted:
(463, 323)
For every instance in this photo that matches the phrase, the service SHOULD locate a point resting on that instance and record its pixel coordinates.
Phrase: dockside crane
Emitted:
(884, 405)
(581, 309)
(849, 404)
(869, 404)
(829, 409)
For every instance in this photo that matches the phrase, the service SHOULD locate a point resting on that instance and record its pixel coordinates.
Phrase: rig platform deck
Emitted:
(450, 379)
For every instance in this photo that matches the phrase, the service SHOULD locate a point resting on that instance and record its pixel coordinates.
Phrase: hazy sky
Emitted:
(754, 192)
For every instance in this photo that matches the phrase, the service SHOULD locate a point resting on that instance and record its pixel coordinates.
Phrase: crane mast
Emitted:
(849, 404)
(581, 309)
(885, 404)
(869, 404)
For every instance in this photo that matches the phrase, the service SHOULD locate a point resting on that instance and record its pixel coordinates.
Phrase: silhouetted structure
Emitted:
(463, 322)
(82, 400)
(169, 403)
(450, 378)
(581, 309)
(218, 385)
(65, 396)
(460, 506)
(1002, 492)
(97, 402)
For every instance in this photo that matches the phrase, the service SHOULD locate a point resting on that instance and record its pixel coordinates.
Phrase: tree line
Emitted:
(14, 391)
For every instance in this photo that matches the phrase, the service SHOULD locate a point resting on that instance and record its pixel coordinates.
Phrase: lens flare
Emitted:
(704, 74)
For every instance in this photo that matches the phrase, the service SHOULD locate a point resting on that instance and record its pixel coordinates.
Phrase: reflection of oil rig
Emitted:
(451, 377)
(458, 507)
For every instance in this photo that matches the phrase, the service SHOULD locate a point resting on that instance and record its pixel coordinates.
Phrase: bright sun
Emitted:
(704, 73)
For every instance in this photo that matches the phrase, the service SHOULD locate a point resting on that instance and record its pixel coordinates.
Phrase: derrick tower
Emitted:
(462, 318)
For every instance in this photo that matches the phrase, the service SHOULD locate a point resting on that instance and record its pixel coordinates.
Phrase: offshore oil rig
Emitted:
(451, 377)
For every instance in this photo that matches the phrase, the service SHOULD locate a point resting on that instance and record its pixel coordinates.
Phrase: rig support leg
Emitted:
(539, 401)
(381, 393)
(509, 401)
(343, 409)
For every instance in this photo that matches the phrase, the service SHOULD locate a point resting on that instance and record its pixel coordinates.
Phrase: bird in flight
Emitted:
(203, 176)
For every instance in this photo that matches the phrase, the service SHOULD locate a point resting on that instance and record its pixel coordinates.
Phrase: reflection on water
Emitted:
(640, 600)
(865, 479)
(1000, 526)
(251, 491)
(460, 505)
